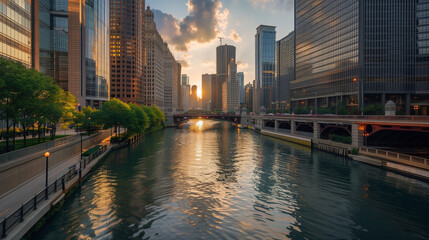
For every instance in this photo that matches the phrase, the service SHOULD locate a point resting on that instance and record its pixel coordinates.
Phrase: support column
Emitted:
(407, 104)
(357, 135)
(383, 99)
(316, 130)
(292, 127)
(276, 125)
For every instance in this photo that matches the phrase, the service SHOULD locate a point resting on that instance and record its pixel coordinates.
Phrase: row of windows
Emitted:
(14, 53)
(14, 16)
(15, 35)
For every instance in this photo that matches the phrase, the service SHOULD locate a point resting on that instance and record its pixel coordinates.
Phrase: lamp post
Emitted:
(89, 127)
(47, 159)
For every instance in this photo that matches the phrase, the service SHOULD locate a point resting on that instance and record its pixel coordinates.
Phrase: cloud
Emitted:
(241, 66)
(205, 20)
(234, 36)
(286, 5)
(184, 63)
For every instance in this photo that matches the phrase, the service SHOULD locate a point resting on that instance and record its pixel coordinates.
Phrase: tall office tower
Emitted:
(177, 73)
(248, 102)
(216, 103)
(207, 91)
(231, 90)
(179, 87)
(378, 57)
(154, 68)
(185, 79)
(186, 92)
(420, 102)
(15, 31)
(265, 44)
(285, 69)
(127, 53)
(170, 85)
(194, 97)
(74, 47)
(240, 77)
(224, 55)
(255, 99)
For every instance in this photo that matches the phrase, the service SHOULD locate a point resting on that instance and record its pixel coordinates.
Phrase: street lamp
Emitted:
(89, 127)
(47, 159)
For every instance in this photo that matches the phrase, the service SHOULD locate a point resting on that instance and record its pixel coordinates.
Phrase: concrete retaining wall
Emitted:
(15, 172)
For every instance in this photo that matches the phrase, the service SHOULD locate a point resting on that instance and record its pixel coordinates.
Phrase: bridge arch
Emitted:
(328, 130)
(285, 125)
(269, 124)
(304, 127)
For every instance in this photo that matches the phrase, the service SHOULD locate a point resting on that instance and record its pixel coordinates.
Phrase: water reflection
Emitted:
(210, 181)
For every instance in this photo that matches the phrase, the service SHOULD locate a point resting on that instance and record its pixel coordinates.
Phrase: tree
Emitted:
(115, 113)
(140, 120)
(159, 116)
(149, 112)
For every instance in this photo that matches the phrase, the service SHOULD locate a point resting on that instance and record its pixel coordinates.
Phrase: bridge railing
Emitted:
(354, 117)
(396, 157)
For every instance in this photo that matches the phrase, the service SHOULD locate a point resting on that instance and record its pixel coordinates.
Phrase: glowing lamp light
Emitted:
(47, 154)
(355, 79)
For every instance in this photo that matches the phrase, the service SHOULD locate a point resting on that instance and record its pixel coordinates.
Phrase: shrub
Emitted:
(340, 139)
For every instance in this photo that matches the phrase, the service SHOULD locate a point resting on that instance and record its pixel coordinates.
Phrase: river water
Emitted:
(209, 180)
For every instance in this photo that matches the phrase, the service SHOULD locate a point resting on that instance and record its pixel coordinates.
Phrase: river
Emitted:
(209, 180)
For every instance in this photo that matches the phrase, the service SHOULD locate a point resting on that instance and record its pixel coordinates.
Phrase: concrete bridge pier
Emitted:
(316, 130)
(292, 127)
(357, 135)
(276, 125)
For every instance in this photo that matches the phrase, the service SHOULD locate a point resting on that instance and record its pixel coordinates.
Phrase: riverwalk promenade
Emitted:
(61, 178)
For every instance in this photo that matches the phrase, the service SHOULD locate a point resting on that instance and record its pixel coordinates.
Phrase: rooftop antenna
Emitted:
(220, 38)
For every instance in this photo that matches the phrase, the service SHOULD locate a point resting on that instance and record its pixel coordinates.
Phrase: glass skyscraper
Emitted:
(15, 31)
(361, 51)
(285, 69)
(75, 53)
(265, 45)
(225, 55)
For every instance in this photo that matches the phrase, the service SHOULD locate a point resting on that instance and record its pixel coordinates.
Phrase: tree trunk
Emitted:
(25, 136)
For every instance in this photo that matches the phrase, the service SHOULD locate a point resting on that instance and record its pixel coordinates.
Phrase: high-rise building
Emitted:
(127, 52)
(15, 31)
(179, 87)
(185, 79)
(367, 53)
(186, 90)
(154, 68)
(285, 69)
(74, 47)
(265, 42)
(194, 97)
(170, 81)
(224, 55)
(248, 102)
(207, 91)
(240, 77)
(231, 90)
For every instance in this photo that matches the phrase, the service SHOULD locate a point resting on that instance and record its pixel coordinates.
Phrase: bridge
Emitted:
(376, 131)
(180, 118)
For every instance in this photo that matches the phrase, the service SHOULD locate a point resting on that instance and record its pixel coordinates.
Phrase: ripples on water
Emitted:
(211, 181)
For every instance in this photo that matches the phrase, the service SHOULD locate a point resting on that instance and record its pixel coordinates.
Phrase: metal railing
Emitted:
(399, 157)
(60, 184)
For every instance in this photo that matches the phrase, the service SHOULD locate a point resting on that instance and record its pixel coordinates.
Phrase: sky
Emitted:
(192, 27)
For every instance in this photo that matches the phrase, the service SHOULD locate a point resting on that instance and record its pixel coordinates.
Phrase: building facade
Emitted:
(231, 90)
(207, 91)
(186, 93)
(248, 97)
(193, 99)
(154, 68)
(265, 44)
(240, 77)
(73, 47)
(127, 52)
(361, 55)
(224, 55)
(285, 70)
(16, 31)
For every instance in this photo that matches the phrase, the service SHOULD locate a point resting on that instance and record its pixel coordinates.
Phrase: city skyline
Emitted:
(235, 19)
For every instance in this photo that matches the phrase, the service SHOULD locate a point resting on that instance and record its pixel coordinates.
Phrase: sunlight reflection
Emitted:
(200, 125)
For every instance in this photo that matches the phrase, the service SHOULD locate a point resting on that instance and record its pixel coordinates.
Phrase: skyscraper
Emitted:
(224, 55)
(249, 97)
(240, 77)
(186, 92)
(231, 90)
(194, 97)
(378, 57)
(185, 79)
(154, 68)
(285, 69)
(127, 52)
(265, 40)
(207, 91)
(74, 47)
(170, 81)
(15, 31)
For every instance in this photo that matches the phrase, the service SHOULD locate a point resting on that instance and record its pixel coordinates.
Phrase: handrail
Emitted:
(31, 205)
(419, 161)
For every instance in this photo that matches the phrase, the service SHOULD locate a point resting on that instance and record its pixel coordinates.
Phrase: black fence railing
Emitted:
(60, 184)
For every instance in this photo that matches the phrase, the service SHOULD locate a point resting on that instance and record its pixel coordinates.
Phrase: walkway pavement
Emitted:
(14, 199)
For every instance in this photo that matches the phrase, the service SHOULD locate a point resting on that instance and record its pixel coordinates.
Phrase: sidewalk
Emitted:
(14, 199)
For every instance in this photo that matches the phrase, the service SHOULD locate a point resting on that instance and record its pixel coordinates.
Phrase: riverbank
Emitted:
(414, 167)
(43, 208)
